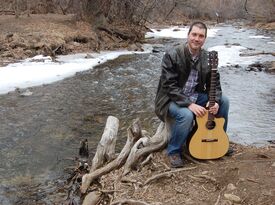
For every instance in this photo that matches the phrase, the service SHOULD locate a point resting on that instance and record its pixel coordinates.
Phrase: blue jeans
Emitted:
(183, 121)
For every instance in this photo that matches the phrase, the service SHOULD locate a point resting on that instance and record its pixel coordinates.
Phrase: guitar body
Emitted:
(209, 140)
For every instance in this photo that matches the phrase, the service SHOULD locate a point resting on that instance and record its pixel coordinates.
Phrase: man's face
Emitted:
(196, 39)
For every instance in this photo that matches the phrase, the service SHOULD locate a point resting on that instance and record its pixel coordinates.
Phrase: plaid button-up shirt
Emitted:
(191, 83)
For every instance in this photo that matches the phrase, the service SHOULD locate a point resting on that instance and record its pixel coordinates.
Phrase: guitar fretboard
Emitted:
(213, 63)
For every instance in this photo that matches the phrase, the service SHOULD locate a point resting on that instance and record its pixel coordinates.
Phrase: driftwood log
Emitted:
(146, 145)
(106, 147)
(138, 147)
(134, 133)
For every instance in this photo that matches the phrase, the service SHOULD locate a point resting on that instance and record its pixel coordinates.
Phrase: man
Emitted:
(183, 90)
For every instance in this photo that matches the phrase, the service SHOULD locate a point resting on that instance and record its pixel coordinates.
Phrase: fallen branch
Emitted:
(134, 133)
(158, 176)
(117, 33)
(129, 202)
(258, 53)
(167, 174)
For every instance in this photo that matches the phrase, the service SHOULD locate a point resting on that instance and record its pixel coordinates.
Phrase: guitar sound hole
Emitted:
(210, 125)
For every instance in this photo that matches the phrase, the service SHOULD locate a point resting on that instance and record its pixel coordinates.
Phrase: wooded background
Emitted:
(137, 11)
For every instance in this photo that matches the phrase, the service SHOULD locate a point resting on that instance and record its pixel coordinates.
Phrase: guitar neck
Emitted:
(212, 92)
(213, 63)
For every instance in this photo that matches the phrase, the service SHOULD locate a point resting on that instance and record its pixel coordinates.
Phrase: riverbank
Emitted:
(54, 34)
(247, 177)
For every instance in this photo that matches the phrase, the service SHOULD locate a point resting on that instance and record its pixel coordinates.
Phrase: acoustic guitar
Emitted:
(209, 140)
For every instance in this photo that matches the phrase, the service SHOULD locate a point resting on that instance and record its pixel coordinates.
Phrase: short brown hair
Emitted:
(199, 24)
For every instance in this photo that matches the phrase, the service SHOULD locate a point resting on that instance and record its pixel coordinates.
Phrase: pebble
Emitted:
(88, 55)
(231, 187)
(92, 198)
(273, 165)
(204, 172)
(233, 198)
(26, 93)
(226, 202)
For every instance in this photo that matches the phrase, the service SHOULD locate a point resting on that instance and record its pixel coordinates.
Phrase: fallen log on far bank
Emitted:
(257, 53)
(119, 34)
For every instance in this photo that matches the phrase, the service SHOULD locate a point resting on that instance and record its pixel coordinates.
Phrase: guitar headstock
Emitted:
(213, 59)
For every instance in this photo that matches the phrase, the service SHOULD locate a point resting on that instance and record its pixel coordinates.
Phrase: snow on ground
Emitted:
(176, 32)
(43, 70)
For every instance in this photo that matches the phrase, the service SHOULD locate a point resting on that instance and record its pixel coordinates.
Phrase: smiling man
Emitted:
(184, 88)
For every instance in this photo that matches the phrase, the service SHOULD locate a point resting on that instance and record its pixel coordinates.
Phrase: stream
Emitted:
(38, 133)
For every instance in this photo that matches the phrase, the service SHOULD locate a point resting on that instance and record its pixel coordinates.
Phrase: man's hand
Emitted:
(198, 110)
(214, 109)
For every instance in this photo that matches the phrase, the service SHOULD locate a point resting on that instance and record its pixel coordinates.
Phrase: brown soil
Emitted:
(247, 177)
(54, 34)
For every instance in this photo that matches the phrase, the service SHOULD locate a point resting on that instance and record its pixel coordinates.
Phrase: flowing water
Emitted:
(39, 132)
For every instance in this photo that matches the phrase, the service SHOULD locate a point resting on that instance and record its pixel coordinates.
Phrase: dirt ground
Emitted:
(53, 34)
(42, 34)
(247, 177)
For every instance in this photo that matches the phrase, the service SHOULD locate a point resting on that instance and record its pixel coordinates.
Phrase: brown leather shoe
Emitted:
(175, 161)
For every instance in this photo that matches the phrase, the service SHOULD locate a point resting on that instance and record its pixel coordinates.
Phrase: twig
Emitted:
(210, 161)
(147, 160)
(129, 202)
(166, 166)
(166, 174)
(206, 177)
(205, 189)
(219, 196)
(183, 169)
(128, 180)
(109, 191)
(196, 178)
(145, 190)
(158, 176)
(218, 199)
(237, 154)
(188, 157)
(202, 178)
(252, 180)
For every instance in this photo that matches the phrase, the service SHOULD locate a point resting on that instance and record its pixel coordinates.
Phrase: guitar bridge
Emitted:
(209, 140)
